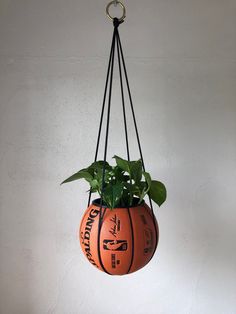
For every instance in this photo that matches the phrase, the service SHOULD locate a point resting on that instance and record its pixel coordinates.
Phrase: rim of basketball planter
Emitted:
(97, 202)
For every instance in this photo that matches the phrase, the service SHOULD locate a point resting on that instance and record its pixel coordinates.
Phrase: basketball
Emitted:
(123, 241)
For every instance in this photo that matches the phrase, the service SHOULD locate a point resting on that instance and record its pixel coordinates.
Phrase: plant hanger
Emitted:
(119, 232)
(116, 48)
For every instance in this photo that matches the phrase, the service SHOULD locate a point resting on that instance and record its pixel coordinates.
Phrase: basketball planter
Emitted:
(126, 240)
(119, 232)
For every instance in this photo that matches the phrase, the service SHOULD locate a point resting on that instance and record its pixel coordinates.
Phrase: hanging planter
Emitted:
(119, 232)
(127, 238)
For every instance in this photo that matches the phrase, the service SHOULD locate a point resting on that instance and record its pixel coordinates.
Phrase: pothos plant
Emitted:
(123, 183)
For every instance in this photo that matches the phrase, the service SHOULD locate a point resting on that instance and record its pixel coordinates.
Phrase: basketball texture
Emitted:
(126, 241)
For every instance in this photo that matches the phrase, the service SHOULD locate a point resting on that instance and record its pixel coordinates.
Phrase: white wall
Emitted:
(181, 59)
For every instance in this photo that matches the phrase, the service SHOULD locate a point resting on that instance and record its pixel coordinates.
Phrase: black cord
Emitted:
(127, 145)
(137, 135)
(103, 107)
(122, 96)
(108, 115)
(101, 214)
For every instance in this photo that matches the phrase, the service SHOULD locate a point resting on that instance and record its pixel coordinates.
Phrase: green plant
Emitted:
(122, 182)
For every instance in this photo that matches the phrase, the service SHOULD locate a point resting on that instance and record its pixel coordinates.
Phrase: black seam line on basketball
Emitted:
(157, 238)
(98, 245)
(132, 237)
(136, 128)
(156, 233)
(102, 112)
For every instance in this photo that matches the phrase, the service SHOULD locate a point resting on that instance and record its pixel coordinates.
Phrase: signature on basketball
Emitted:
(115, 228)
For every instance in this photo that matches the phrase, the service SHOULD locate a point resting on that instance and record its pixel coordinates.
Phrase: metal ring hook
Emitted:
(115, 2)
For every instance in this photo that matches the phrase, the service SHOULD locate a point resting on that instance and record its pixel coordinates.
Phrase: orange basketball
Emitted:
(126, 240)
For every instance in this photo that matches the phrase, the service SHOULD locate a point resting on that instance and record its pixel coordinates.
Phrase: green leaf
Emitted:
(96, 169)
(82, 174)
(94, 184)
(112, 194)
(98, 165)
(92, 190)
(132, 188)
(125, 198)
(121, 182)
(142, 191)
(145, 186)
(118, 174)
(134, 168)
(148, 180)
(99, 176)
(122, 163)
(157, 192)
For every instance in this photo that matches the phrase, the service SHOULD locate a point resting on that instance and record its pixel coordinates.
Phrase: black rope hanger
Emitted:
(116, 47)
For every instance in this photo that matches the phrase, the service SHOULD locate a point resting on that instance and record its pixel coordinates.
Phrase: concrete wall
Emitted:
(181, 59)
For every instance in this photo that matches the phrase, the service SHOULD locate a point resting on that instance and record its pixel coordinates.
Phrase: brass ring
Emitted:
(121, 5)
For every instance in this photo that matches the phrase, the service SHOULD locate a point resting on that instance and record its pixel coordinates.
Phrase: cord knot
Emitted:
(117, 22)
